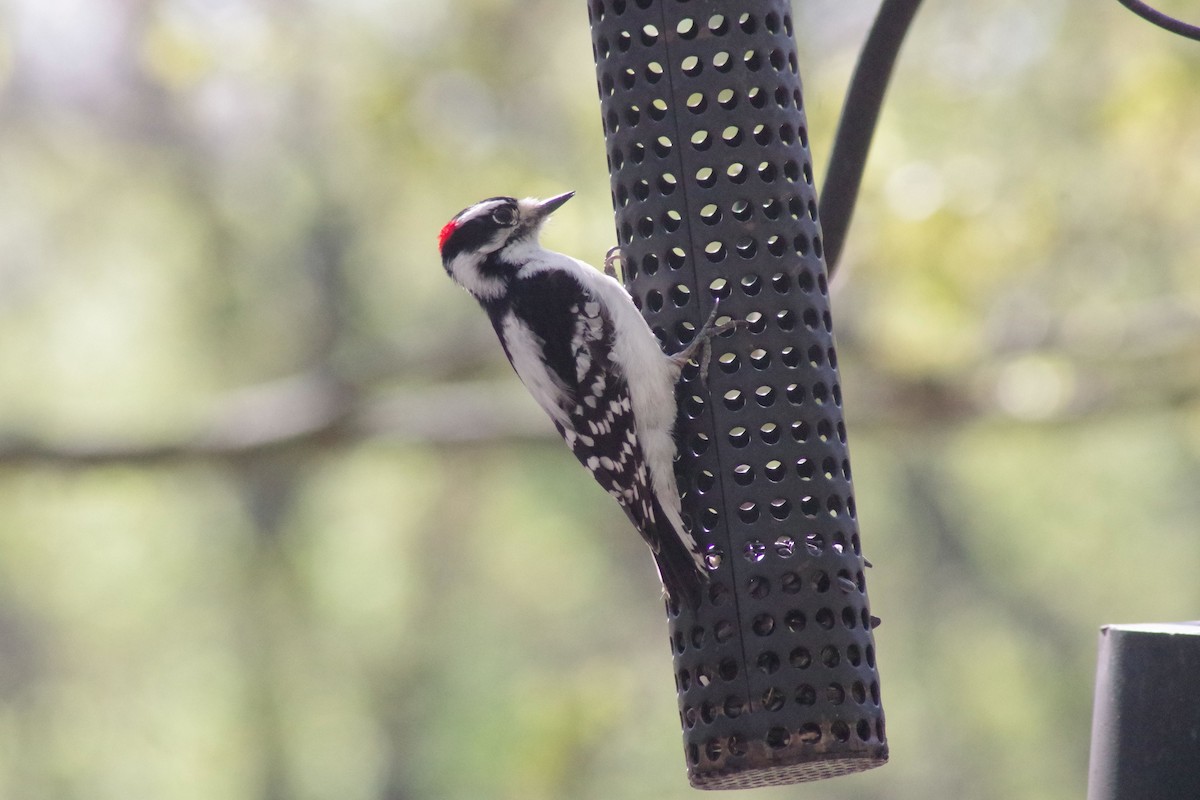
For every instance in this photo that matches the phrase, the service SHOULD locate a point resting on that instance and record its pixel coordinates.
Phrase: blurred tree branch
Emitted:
(1157, 342)
(307, 411)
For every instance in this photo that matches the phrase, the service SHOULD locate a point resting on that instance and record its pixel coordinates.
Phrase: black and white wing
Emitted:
(559, 339)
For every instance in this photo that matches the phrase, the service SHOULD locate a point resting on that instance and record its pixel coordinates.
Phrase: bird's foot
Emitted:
(611, 258)
(700, 348)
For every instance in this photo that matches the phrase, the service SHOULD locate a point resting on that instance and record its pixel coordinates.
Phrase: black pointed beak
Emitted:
(550, 205)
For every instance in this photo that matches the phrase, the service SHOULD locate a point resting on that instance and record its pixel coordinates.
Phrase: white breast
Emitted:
(525, 352)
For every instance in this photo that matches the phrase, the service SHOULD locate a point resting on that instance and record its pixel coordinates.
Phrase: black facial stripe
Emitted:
(469, 235)
(495, 267)
(477, 229)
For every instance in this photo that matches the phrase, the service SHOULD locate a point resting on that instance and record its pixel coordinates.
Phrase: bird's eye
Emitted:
(504, 216)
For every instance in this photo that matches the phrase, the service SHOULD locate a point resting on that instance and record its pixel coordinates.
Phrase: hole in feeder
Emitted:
(755, 551)
(829, 657)
(790, 583)
(768, 662)
(778, 738)
(773, 699)
(800, 658)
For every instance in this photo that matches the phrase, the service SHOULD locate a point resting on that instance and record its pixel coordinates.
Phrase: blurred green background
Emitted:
(276, 520)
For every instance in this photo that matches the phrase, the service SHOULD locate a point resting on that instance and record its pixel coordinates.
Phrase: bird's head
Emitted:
(481, 245)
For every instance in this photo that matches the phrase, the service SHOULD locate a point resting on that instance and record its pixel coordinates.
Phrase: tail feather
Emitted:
(677, 565)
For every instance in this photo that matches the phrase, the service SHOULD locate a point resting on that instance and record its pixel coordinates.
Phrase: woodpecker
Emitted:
(585, 353)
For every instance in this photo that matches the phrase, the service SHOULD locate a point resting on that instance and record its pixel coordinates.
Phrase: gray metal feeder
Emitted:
(712, 186)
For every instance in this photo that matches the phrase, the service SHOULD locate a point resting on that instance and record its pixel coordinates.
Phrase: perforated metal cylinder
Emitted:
(713, 193)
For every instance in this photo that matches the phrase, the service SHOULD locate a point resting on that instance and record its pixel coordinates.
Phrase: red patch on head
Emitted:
(447, 230)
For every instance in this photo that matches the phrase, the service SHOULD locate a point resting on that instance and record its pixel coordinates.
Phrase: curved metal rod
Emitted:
(839, 192)
(1163, 21)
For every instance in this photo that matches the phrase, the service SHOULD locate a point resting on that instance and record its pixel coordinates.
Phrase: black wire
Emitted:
(864, 99)
(1162, 20)
(857, 125)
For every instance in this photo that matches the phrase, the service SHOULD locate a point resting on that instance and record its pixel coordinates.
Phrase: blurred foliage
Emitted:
(202, 201)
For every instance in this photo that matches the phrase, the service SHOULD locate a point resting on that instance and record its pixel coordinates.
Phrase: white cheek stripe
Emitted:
(464, 269)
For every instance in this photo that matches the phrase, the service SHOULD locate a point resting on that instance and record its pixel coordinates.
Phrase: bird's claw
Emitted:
(614, 255)
(700, 347)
